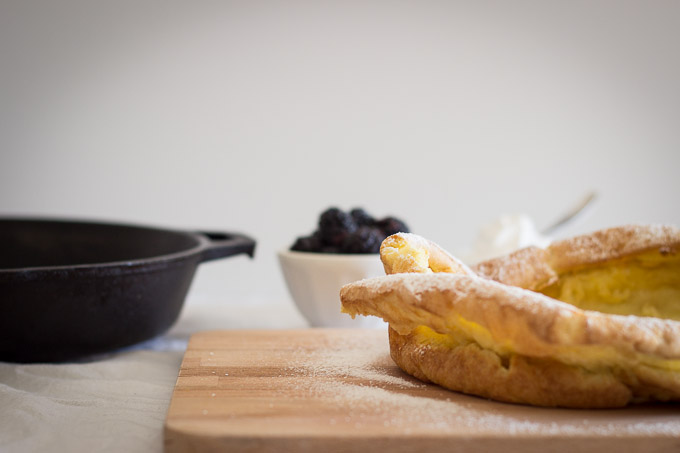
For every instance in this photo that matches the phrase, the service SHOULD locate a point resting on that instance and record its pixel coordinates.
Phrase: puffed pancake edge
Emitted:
(476, 371)
(515, 345)
(534, 268)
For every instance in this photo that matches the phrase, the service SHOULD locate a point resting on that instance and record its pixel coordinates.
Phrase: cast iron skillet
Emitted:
(70, 289)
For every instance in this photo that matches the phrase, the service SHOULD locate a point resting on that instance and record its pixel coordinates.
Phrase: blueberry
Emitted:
(334, 225)
(391, 225)
(361, 217)
(308, 243)
(355, 231)
(363, 240)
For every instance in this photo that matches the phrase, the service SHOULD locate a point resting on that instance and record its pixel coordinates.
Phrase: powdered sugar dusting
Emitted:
(361, 388)
(350, 360)
(616, 242)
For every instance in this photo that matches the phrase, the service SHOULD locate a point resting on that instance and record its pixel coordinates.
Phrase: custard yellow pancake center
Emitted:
(647, 285)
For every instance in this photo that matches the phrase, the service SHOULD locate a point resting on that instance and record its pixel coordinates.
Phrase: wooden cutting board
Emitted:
(335, 390)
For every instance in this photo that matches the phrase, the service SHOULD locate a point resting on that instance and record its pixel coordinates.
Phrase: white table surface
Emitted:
(119, 401)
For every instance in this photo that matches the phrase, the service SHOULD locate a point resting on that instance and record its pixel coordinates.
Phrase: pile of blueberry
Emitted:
(349, 232)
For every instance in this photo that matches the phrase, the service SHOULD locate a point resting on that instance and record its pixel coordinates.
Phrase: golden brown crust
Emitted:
(527, 268)
(406, 252)
(534, 268)
(534, 324)
(516, 345)
(476, 371)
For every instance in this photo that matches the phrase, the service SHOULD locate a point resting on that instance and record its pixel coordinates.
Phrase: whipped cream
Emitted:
(504, 235)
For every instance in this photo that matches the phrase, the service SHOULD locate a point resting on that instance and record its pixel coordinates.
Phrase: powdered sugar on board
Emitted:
(357, 375)
(316, 389)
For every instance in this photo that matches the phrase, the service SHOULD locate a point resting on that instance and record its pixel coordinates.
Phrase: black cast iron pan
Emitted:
(70, 289)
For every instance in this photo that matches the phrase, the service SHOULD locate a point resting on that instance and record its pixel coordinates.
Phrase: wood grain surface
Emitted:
(336, 390)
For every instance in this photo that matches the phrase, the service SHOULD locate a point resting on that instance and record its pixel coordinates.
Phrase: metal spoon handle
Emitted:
(571, 214)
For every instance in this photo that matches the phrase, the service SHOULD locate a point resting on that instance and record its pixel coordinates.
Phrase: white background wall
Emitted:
(256, 116)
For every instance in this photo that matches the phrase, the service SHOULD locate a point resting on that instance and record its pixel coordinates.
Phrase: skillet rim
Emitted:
(201, 243)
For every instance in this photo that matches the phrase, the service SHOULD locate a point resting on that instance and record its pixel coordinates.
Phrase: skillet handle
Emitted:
(222, 245)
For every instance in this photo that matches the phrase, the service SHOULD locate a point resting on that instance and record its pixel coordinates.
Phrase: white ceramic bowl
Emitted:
(314, 281)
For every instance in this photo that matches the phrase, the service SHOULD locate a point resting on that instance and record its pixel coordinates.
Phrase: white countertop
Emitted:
(119, 401)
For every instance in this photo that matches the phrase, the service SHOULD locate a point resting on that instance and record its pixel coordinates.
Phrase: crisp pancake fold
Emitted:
(490, 331)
